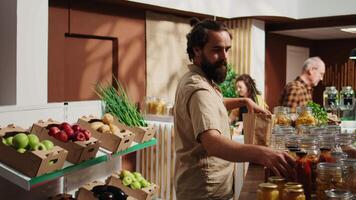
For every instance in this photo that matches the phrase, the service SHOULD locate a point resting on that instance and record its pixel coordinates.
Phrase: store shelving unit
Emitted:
(103, 155)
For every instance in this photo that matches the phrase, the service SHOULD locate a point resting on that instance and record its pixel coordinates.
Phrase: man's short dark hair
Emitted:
(198, 36)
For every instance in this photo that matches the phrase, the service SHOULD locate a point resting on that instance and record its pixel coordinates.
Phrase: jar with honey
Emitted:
(267, 191)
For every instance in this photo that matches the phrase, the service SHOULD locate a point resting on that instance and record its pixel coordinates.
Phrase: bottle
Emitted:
(329, 176)
(337, 194)
(347, 97)
(330, 100)
(267, 191)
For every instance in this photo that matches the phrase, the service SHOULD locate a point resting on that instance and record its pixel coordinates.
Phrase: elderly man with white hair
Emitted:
(299, 92)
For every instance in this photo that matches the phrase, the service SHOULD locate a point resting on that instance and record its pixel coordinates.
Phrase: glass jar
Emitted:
(306, 164)
(292, 141)
(344, 141)
(347, 97)
(293, 194)
(267, 191)
(282, 117)
(337, 194)
(337, 156)
(330, 98)
(278, 139)
(326, 145)
(279, 181)
(349, 174)
(305, 116)
(329, 177)
(334, 128)
(305, 129)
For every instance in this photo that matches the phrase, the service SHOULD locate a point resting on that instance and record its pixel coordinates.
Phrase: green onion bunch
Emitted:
(319, 113)
(118, 104)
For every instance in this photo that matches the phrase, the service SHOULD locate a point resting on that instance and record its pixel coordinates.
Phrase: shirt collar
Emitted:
(309, 88)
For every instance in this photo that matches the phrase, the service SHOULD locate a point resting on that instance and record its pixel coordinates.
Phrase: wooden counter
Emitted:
(255, 175)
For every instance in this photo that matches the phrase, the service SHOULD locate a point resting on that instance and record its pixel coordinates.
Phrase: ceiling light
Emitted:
(349, 30)
(353, 54)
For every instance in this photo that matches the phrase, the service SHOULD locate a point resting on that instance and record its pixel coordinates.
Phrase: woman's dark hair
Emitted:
(198, 36)
(251, 86)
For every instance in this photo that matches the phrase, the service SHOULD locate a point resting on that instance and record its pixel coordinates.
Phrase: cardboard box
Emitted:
(140, 194)
(78, 151)
(85, 193)
(142, 134)
(30, 163)
(119, 141)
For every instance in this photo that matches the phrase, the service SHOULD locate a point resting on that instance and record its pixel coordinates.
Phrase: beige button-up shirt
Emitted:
(199, 107)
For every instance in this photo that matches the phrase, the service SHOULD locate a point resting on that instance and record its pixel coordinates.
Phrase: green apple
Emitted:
(137, 174)
(4, 141)
(21, 150)
(135, 185)
(39, 147)
(125, 173)
(127, 181)
(20, 140)
(33, 140)
(9, 140)
(49, 144)
(144, 183)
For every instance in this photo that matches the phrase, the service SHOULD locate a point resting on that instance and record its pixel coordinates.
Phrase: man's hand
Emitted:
(279, 162)
(254, 108)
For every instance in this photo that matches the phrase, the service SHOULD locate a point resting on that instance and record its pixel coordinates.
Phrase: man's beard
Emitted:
(214, 71)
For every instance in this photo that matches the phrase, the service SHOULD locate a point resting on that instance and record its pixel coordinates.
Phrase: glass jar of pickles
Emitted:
(305, 116)
(267, 191)
(330, 98)
(282, 117)
(329, 176)
(292, 193)
(347, 98)
(279, 181)
(337, 194)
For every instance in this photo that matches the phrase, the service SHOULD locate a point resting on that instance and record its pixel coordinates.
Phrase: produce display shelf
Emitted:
(103, 155)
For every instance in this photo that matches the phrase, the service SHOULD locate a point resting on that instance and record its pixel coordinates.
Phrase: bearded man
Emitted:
(203, 145)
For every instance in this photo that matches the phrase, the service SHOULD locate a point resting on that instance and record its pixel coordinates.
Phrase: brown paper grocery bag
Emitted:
(257, 129)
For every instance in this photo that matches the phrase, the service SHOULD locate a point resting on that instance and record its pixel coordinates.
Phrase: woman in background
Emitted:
(246, 87)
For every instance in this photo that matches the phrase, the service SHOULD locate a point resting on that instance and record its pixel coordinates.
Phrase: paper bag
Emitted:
(257, 129)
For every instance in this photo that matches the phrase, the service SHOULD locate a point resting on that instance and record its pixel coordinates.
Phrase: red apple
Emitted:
(62, 136)
(76, 127)
(87, 134)
(68, 130)
(65, 125)
(80, 136)
(53, 131)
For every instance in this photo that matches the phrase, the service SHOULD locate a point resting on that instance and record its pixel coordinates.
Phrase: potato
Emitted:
(104, 128)
(114, 128)
(96, 125)
(108, 118)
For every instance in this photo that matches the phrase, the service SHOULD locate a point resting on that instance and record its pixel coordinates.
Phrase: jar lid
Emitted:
(293, 184)
(267, 186)
(330, 88)
(338, 193)
(293, 190)
(346, 88)
(349, 162)
(276, 179)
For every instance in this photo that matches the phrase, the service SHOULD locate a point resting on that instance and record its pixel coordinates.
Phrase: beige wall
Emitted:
(166, 53)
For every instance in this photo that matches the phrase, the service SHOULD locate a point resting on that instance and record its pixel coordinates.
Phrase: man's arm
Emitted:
(217, 145)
